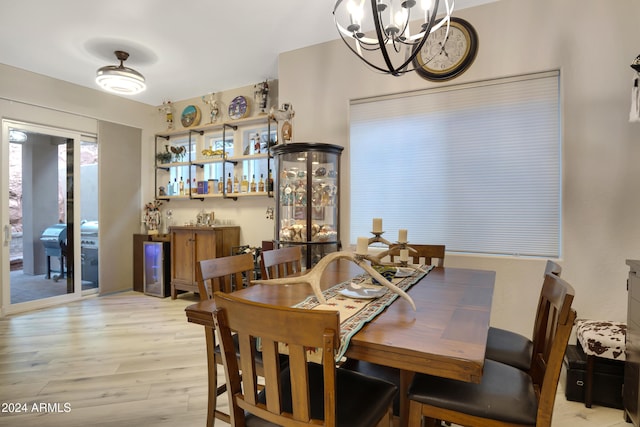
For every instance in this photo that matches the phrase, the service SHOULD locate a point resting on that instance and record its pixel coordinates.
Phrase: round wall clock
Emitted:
(441, 59)
(238, 108)
(190, 116)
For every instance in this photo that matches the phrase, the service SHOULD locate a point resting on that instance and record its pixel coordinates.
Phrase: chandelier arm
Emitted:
(376, 67)
(427, 33)
(383, 49)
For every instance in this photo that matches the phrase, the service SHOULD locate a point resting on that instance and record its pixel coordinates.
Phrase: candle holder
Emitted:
(377, 260)
(403, 245)
(377, 238)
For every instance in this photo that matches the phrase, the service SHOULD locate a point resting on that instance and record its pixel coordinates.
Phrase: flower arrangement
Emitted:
(152, 215)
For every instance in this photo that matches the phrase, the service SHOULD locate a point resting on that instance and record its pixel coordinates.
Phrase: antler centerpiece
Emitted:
(312, 277)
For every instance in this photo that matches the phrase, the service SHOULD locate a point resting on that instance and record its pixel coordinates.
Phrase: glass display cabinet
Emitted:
(308, 198)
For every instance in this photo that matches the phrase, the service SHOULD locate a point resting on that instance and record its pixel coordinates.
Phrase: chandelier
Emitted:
(390, 20)
(120, 79)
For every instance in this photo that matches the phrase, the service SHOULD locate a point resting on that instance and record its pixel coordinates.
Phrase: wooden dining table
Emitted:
(445, 336)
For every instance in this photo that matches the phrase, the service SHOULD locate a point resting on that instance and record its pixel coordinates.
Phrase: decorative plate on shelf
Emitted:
(190, 116)
(238, 108)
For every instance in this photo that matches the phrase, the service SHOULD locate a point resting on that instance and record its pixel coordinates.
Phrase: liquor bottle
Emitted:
(169, 189)
(252, 186)
(236, 184)
(270, 183)
(181, 184)
(221, 184)
(194, 187)
(176, 189)
(261, 183)
(229, 184)
(244, 185)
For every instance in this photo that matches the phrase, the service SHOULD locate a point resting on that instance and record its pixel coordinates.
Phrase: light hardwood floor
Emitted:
(132, 360)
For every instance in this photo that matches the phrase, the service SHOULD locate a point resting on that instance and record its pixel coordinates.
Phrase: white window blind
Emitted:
(475, 167)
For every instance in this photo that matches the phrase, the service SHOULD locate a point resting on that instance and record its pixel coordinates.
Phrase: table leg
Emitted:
(212, 371)
(405, 381)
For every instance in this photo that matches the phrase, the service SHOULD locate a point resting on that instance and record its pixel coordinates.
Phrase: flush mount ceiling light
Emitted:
(394, 48)
(120, 79)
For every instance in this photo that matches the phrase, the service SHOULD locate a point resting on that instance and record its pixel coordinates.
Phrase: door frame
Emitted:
(6, 306)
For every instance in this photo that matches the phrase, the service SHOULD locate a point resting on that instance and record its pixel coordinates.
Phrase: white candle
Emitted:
(404, 254)
(363, 246)
(402, 236)
(377, 225)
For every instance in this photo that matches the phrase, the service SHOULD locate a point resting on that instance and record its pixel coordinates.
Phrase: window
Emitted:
(476, 167)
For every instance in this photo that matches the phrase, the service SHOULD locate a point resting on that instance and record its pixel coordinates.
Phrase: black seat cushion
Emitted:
(361, 400)
(386, 373)
(505, 393)
(509, 348)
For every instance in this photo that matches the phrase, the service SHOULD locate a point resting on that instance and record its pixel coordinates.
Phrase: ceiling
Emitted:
(184, 49)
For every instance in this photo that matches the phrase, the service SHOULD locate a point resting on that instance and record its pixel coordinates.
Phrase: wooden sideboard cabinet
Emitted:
(190, 244)
(632, 363)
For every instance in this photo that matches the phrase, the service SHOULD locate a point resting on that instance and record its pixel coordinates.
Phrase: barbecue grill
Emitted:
(89, 246)
(54, 240)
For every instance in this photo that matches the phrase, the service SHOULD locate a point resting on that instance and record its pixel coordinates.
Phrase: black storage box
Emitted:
(608, 376)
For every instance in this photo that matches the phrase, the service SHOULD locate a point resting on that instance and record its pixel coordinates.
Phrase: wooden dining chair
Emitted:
(224, 274)
(510, 347)
(424, 254)
(505, 396)
(302, 393)
(281, 262)
(220, 274)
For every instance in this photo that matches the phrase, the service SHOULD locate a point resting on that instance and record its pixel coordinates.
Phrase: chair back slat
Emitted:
(425, 254)
(224, 274)
(281, 262)
(275, 327)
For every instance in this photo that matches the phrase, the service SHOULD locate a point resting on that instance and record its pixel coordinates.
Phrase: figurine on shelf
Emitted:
(152, 216)
(214, 109)
(261, 95)
(178, 152)
(167, 109)
(284, 114)
(256, 143)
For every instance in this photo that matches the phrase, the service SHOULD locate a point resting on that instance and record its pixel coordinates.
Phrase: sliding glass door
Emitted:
(44, 232)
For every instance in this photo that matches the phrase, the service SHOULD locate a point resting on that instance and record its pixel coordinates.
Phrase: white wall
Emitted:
(592, 43)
